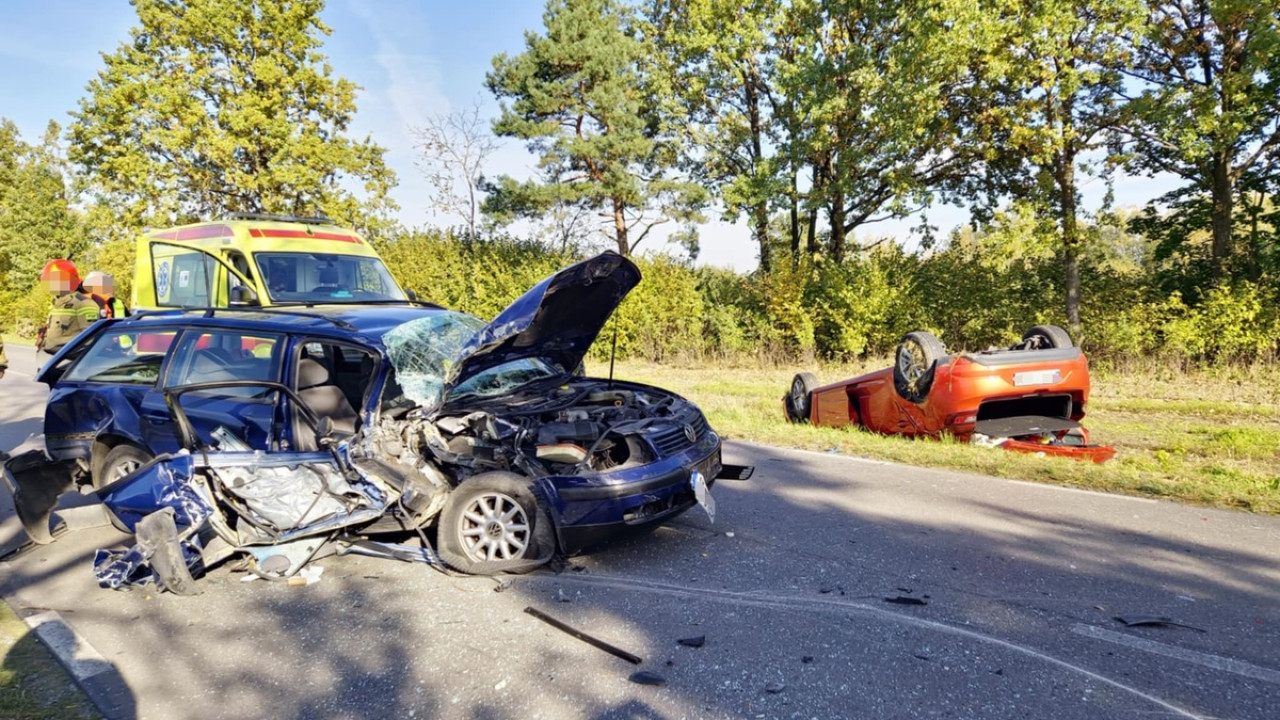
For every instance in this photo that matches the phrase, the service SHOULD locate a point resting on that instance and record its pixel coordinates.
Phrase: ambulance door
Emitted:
(184, 276)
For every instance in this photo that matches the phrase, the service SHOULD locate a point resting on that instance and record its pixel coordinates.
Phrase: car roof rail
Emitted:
(212, 312)
(270, 217)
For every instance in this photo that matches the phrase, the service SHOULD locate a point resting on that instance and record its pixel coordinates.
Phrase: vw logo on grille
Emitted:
(690, 433)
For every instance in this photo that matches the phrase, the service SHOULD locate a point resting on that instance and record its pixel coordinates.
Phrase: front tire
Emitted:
(491, 524)
(915, 364)
(800, 397)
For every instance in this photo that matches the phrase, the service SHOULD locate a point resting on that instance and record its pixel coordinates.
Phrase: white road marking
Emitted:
(791, 603)
(1215, 662)
(73, 651)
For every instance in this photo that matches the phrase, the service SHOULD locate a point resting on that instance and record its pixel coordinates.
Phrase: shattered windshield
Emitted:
(506, 378)
(424, 351)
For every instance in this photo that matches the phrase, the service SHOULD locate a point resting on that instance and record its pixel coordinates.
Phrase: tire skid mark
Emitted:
(792, 603)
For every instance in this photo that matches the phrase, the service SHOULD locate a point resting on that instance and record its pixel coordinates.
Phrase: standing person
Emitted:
(71, 311)
(4, 361)
(102, 288)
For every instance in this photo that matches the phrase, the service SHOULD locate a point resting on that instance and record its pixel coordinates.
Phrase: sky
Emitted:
(414, 59)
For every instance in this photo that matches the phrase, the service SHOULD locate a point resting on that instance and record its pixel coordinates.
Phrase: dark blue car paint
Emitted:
(161, 483)
(557, 320)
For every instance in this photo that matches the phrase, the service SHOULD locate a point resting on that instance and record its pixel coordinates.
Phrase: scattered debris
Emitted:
(904, 600)
(1154, 621)
(729, 534)
(807, 659)
(562, 597)
(920, 657)
(501, 684)
(611, 649)
(694, 642)
(645, 677)
(309, 575)
(501, 585)
(775, 688)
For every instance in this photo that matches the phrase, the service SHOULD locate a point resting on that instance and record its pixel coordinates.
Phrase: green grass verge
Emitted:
(33, 685)
(1203, 437)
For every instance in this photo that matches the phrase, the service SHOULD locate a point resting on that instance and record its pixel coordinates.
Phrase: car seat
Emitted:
(324, 398)
(328, 281)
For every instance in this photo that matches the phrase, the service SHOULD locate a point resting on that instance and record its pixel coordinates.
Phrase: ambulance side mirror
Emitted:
(242, 295)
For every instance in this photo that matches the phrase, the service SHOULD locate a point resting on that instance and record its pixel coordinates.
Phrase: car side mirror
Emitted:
(243, 295)
(409, 293)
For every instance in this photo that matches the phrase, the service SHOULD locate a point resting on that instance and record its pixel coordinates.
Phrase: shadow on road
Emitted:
(788, 588)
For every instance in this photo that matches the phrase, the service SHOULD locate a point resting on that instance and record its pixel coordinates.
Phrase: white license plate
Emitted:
(703, 494)
(1037, 377)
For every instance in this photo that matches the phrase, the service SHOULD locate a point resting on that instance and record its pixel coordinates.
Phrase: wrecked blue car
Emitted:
(278, 435)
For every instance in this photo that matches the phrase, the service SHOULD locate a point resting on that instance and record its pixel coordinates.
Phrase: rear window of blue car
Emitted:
(123, 358)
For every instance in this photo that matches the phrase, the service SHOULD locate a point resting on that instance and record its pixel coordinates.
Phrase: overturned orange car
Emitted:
(1030, 397)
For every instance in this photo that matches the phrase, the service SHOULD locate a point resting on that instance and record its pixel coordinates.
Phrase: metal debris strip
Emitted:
(1154, 621)
(693, 642)
(611, 649)
(736, 472)
(904, 600)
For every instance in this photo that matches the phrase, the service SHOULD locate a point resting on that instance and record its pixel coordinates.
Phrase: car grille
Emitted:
(672, 439)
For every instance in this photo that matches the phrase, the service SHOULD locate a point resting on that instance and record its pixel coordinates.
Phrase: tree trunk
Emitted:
(1223, 194)
(1065, 173)
(760, 211)
(836, 213)
(620, 226)
(795, 217)
(762, 235)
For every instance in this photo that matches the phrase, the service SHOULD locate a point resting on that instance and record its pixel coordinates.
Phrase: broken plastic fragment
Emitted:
(695, 642)
(1154, 620)
(904, 600)
(645, 677)
(775, 688)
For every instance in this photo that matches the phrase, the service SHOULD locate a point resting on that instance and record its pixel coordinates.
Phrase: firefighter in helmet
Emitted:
(72, 309)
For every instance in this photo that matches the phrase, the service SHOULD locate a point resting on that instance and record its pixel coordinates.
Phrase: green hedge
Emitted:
(817, 308)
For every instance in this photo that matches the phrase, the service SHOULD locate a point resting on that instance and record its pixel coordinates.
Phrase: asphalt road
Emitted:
(1021, 585)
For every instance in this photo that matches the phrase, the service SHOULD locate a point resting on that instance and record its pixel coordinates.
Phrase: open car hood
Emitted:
(556, 320)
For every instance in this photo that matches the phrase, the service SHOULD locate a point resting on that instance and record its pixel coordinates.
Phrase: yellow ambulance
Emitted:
(253, 259)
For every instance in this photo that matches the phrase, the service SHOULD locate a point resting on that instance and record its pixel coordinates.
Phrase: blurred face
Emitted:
(58, 281)
(105, 288)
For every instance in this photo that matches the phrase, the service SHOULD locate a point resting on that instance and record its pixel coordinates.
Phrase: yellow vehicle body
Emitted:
(258, 260)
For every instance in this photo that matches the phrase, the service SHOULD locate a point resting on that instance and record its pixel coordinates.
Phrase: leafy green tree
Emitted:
(722, 58)
(1054, 71)
(585, 99)
(1206, 104)
(37, 222)
(882, 92)
(216, 106)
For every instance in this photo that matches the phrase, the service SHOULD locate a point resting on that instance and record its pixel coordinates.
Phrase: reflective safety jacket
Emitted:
(69, 314)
